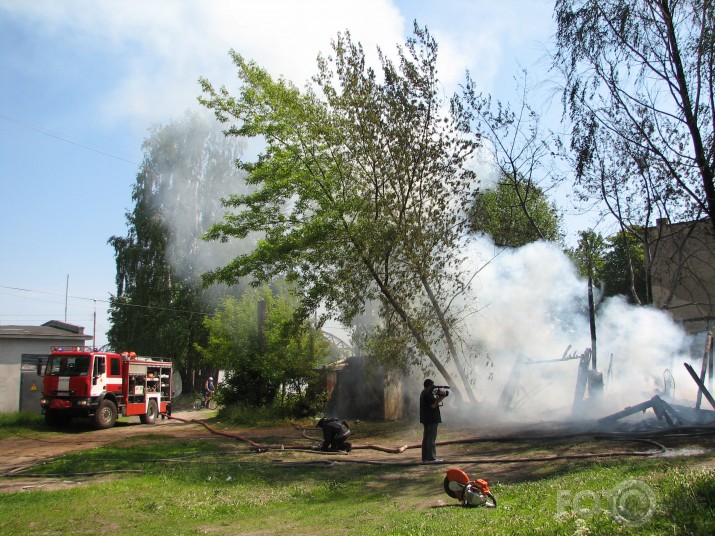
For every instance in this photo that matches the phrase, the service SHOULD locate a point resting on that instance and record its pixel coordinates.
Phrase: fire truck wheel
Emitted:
(152, 412)
(106, 414)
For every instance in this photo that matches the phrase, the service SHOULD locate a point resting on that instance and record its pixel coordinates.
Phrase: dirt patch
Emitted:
(491, 459)
(10, 485)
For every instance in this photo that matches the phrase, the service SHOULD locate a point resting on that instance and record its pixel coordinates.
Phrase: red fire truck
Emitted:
(80, 381)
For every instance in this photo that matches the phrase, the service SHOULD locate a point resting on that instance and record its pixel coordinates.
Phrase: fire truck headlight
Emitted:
(81, 402)
(44, 401)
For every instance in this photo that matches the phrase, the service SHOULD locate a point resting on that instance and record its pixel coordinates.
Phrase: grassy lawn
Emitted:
(218, 486)
(12, 424)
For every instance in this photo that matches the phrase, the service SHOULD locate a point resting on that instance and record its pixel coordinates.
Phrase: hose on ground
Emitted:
(399, 450)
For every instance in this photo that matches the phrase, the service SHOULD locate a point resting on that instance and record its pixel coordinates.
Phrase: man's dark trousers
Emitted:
(429, 438)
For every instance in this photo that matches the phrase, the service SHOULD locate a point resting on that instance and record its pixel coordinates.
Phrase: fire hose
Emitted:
(256, 447)
(399, 450)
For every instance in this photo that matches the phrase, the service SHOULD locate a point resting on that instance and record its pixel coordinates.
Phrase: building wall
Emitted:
(683, 272)
(358, 393)
(11, 351)
(394, 397)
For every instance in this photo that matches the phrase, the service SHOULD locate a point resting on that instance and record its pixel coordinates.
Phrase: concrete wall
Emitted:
(11, 351)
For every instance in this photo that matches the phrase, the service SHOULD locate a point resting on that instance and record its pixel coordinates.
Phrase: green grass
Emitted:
(217, 486)
(20, 423)
(251, 416)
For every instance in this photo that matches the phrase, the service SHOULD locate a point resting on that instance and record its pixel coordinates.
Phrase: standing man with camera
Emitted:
(430, 418)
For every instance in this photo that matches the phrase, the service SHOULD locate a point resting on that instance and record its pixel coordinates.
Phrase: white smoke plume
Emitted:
(531, 308)
(195, 168)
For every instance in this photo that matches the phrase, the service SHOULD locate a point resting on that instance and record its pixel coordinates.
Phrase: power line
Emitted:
(44, 300)
(158, 308)
(61, 138)
(52, 294)
(115, 302)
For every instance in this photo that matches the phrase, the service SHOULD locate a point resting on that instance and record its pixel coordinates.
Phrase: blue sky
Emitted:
(83, 80)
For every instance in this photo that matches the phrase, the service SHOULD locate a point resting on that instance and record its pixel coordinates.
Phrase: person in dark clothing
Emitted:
(335, 434)
(430, 418)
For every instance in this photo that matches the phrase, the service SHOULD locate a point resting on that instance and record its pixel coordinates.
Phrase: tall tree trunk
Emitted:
(446, 330)
(422, 344)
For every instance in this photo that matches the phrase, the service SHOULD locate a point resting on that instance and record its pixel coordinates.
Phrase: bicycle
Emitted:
(200, 402)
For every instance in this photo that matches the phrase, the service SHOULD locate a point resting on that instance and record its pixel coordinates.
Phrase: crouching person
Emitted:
(335, 434)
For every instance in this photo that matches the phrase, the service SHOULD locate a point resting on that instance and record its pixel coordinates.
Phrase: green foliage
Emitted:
(517, 210)
(617, 263)
(624, 268)
(312, 403)
(263, 347)
(362, 188)
(249, 386)
(638, 90)
(292, 407)
(239, 414)
(515, 213)
(389, 348)
(20, 419)
(589, 255)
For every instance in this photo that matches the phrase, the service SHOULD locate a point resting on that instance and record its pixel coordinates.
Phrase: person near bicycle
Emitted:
(208, 391)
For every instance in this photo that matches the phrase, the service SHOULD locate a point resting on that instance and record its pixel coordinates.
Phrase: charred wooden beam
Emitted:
(662, 410)
(704, 368)
(629, 410)
(581, 379)
(701, 385)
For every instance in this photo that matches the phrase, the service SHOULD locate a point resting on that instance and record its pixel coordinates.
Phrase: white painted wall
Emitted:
(11, 351)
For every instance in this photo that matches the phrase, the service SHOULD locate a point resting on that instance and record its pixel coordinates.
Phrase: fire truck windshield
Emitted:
(68, 365)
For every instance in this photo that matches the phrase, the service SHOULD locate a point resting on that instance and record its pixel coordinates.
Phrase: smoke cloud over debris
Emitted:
(526, 308)
(532, 307)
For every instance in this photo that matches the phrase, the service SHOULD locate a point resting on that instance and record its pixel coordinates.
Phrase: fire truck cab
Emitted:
(80, 381)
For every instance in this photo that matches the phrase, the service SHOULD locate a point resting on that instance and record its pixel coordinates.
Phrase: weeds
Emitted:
(255, 416)
(21, 422)
(190, 486)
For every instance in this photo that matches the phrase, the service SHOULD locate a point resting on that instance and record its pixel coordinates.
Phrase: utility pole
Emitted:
(94, 327)
(67, 289)
(592, 321)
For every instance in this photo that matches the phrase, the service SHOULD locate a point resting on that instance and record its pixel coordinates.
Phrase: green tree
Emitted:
(624, 268)
(362, 190)
(589, 255)
(616, 263)
(160, 305)
(261, 346)
(515, 213)
(589, 259)
(639, 90)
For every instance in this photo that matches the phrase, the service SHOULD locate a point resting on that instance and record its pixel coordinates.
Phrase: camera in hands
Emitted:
(440, 391)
